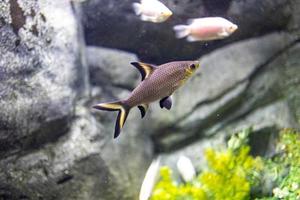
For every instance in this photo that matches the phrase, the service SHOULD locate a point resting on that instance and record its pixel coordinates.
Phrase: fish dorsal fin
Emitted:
(144, 68)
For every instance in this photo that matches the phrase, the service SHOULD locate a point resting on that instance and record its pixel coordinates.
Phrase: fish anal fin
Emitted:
(144, 68)
(223, 34)
(149, 19)
(166, 102)
(143, 108)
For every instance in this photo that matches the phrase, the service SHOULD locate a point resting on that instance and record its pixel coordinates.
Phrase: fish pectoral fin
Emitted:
(166, 102)
(223, 34)
(144, 68)
(191, 38)
(146, 18)
(143, 108)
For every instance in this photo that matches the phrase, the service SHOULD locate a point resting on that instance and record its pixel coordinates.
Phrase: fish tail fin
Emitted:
(181, 31)
(137, 7)
(122, 115)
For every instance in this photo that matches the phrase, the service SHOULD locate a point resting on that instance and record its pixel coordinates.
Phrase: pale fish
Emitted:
(158, 83)
(150, 180)
(152, 11)
(186, 168)
(204, 29)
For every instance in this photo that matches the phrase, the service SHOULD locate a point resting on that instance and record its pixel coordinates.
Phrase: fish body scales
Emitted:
(162, 82)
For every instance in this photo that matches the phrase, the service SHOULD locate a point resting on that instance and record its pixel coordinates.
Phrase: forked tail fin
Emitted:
(181, 31)
(122, 116)
(137, 7)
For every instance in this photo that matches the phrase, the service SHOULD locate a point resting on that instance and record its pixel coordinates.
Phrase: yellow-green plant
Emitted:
(230, 175)
(284, 167)
(168, 189)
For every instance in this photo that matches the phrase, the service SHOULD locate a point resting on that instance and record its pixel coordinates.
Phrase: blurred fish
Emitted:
(152, 11)
(186, 168)
(150, 180)
(158, 83)
(204, 29)
(79, 1)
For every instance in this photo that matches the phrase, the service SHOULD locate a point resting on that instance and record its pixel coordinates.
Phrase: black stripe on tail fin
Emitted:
(122, 115)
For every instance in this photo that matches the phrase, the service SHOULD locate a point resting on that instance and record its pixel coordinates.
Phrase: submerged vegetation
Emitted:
(234, 174)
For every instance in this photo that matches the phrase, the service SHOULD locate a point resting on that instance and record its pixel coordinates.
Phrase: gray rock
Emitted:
(294, 25)
(52, 147)
(40, 64)
(228, 90)
(111, 67)
(83, 164)
(265, 122)
(104, 20)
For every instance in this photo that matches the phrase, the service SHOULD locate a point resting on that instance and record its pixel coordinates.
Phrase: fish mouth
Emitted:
(233, 28)
(167, 14)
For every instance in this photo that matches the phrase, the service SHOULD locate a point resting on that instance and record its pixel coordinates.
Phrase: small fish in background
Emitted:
(205, 29)
(150, 179)
(158, 83)
(78, 1)
(152, 11)
(186, 168)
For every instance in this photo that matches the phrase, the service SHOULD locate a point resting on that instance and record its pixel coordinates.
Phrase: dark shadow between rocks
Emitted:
(262, 142)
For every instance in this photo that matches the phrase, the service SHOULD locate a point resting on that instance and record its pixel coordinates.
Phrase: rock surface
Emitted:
(40, 66)
(111, 67)
(233, 81)
(268, 104)
(115, 25)
(51, 144)
(83, 164)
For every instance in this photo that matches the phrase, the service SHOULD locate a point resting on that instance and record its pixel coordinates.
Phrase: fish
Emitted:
(205, 29)
(152, 11)
(150, 179)
(158, 83)
(186, 168)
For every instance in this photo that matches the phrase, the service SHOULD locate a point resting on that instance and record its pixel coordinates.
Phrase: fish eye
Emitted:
(193, 67)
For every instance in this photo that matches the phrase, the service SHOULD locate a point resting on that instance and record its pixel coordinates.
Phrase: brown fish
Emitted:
(158, 83)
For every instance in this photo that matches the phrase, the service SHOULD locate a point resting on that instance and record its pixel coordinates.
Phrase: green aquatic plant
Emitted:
(168, 189)
(230, 175)
(233, 174)
(284, 167)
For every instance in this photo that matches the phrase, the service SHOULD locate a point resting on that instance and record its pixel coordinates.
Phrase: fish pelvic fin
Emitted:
(166, 102)
(144, 68)
(143, 108)
(181, 31)
(122, 115)
(137, 7)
